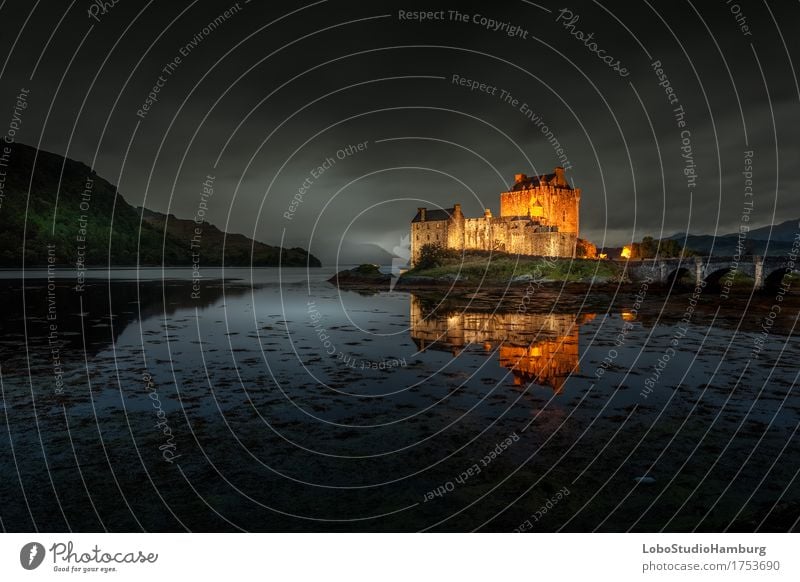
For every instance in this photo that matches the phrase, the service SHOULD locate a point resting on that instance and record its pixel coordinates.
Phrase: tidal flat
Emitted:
(275, 401)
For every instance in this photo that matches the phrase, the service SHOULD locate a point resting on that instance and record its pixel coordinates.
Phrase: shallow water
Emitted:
(274, 401)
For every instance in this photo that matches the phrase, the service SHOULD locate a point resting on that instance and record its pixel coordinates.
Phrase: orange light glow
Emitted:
(626, 252)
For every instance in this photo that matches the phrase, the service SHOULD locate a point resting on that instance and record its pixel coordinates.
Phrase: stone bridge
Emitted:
(768, 272)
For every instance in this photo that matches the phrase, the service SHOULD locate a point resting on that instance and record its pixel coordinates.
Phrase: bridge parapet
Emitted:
(710, 269)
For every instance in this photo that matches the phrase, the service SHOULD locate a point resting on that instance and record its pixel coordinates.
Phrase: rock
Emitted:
(452, 277)
(417, 279)
(365, 275)
(646, 480)
(598, 280)
(365, 269)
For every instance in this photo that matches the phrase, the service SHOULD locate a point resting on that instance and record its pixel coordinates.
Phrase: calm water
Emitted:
(276, 402)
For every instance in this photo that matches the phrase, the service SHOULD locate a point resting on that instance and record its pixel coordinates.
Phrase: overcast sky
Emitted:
(261, 99)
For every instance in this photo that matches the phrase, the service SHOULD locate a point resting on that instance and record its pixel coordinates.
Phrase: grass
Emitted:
(367, 269)
(792, 279)
(501, 267)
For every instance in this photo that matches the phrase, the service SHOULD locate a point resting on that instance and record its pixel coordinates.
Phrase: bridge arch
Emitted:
(714, 279)
(675, 275)
(773, 280)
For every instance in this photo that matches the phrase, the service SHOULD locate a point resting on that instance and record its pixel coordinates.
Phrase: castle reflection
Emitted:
(536, 347)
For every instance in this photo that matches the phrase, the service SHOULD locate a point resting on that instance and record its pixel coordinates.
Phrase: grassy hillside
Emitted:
(239, 249)
(94, 221)
(501, 267)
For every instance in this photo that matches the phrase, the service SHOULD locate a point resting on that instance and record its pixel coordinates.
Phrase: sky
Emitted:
(326, 124)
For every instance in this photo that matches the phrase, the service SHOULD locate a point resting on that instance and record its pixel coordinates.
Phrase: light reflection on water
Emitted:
(280, 390)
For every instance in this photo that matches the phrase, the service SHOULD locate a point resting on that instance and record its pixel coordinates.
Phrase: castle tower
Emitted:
(548, 199)
(539, 216)
(442, 227)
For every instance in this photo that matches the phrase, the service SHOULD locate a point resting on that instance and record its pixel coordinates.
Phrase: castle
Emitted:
(536, 347)
(538, 216)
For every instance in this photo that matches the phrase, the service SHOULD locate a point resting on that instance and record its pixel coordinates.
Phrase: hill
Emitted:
(95, 225)
(756, 243)
(239, 249)
(782, 233)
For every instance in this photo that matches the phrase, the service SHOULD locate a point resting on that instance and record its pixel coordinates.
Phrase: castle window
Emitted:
(537, 211)
(429, 237)
(564, 215)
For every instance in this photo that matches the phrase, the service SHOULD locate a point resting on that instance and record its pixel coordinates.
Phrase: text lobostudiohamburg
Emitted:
(704, 549)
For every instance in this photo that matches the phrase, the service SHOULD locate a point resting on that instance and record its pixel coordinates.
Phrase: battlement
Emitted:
(539, 215)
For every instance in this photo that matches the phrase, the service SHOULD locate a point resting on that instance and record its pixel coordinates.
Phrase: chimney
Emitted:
(422, 213)
(519, 178)
(561, 179)
(487, 213)
(456, 209)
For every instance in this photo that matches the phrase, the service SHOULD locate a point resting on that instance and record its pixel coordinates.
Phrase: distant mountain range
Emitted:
(357, 253)
(767, 240)
(96, 226)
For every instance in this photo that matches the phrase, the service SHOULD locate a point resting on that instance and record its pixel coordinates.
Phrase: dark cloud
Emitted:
(274, 101)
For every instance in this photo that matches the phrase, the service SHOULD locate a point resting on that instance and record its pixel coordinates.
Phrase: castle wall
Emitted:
(560, 205)
(429, 232)
(520, 239)
(517, 237)
(492, 234)
(564, 206)
(456, 232)
(516, 203)
(516, 231)
(478, 234)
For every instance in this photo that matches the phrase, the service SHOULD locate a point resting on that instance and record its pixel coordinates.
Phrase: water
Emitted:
(275, 402)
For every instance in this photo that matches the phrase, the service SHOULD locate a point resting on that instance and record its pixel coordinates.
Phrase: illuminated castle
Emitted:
(538, 216)
(539, 348)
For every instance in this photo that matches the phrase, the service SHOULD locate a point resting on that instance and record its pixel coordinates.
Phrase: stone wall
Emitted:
(544, 244)
(455, 231)
(434, 232)
(519, 237)
(540, 219)
(478, 234)
(560, 206)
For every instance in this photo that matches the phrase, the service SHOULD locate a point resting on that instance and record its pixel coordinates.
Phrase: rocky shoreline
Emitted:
(369, 278)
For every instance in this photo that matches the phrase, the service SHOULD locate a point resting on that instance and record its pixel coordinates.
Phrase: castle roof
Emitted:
(557, 179)
(436, 214)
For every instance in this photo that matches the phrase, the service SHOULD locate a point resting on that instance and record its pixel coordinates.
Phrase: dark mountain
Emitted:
(783, 232)
(366, 253)
(239, 249)
(96, 225)
(759, 241)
